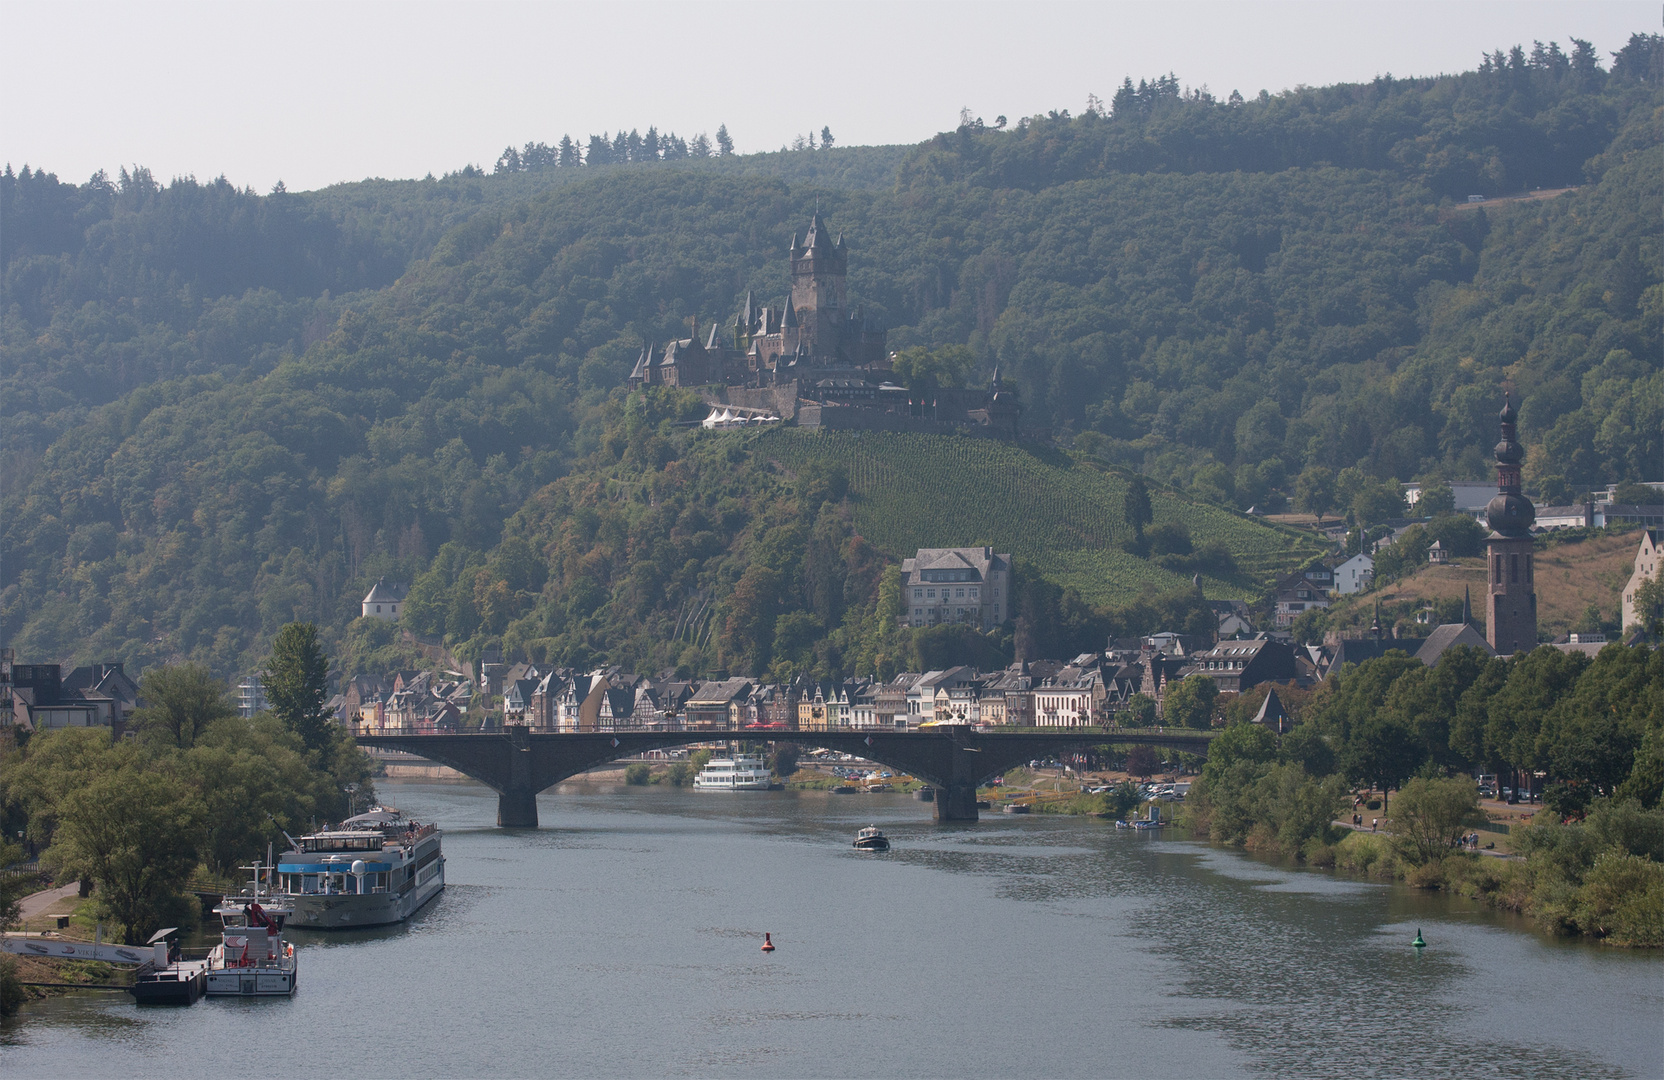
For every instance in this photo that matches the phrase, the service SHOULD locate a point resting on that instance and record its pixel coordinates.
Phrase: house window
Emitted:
(961, 594)
(974, 594)
(918, 594)
(918, 612)
(933, 594)
(378, 609)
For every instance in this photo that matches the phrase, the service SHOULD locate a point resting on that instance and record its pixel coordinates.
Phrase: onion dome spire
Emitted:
(1510, 513)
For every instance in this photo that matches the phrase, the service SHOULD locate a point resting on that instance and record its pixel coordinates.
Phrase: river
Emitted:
(622, 939)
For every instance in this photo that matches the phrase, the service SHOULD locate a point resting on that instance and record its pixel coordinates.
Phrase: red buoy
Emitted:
(768, 945)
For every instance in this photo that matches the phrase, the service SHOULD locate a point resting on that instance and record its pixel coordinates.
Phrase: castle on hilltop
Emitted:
(818, 363)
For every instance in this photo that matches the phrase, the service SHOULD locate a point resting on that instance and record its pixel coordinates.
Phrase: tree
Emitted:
(785, 759)
(1143, 761)
(826, 138)
(1314, 490)
(1436, 498)
(1135, 505)
(1122, 799)
(926, 369)
(1190, 704)
(295, 679)
(134, 831)
(1140, 711)
(1430, 816)
(724, 144)
(180, 702)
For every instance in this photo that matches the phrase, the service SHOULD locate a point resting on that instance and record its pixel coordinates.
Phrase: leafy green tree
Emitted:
(1140, 711)
(253, 782)
(134, 831)
(1190, 703)
(296, 684)
(1430, 816)
(926, 369)
(1437, 498)
(1121, 799)
(1241, 742)
(1143, 760)
(180, 703)
(1314, 490)
(1135, 505)
(724, 143)
(1306, 747)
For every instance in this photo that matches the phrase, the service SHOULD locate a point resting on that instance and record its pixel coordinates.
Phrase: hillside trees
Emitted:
(1227, 294)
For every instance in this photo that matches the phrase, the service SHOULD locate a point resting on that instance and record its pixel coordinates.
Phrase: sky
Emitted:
(324, 91)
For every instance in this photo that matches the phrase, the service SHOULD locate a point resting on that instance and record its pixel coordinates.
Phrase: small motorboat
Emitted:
(845, 789)
(871, 838)
(878, 789)
(925, 794)
(1015, 808)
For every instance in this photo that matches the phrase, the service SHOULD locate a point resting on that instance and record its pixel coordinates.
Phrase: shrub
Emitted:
(681, 774)
(638, 773)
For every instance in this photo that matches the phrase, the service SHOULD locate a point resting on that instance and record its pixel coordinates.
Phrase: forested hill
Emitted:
(220, 411)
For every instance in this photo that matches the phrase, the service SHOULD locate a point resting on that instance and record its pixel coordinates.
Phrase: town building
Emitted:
(38, 697)
(957, 585)
(1355, 575)
(1236, 666)
(1511, 600)
(1647, 563)
(1299, 592)
(383, 601)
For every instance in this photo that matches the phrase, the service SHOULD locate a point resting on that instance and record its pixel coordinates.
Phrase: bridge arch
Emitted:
(518, 763)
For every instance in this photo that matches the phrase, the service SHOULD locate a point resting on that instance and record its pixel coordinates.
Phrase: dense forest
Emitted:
(223, 411)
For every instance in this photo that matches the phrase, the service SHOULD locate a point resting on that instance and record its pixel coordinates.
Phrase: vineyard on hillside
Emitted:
(916, 491)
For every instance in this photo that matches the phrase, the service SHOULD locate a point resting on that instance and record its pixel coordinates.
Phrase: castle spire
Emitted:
(790, 320)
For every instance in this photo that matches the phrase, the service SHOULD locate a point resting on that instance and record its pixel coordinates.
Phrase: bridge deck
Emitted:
(519, 763)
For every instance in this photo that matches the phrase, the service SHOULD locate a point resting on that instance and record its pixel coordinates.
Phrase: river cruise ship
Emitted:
(371, 870)
(733, 774)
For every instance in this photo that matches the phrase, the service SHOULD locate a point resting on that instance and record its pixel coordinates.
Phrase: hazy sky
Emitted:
(318, 92)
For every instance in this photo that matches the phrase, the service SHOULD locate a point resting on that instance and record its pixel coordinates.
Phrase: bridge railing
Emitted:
(771, 732)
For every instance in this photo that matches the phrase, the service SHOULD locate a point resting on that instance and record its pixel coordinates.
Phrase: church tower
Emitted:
(1511, 606)
(818, 301)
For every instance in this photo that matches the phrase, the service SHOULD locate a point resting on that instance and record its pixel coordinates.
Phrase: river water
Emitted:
(622, 939)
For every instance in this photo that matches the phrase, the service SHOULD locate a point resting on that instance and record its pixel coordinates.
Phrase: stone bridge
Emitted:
(519, 763)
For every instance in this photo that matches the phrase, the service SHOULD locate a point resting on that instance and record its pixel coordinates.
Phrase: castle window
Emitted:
(1528, 567)
(1513, 568)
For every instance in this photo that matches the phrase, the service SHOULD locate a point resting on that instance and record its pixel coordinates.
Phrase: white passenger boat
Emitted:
(252, 959)
(733, 774)
(372, 870)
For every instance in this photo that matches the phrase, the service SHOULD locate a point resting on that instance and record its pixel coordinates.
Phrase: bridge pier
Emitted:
(956, 802)
(517, 809)
(517, 800)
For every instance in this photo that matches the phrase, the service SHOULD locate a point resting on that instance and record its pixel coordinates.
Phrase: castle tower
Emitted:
(1511, 605)
(819, 269)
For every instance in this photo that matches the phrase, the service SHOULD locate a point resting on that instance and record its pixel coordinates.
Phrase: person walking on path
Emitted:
(1373, 822)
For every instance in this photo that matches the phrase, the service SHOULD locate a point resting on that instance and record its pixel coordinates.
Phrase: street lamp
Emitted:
(352, 799)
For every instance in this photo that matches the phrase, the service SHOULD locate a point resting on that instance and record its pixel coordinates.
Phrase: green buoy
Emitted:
(1418, 943)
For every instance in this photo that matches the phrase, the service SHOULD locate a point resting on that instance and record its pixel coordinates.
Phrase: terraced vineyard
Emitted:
(916, 491)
